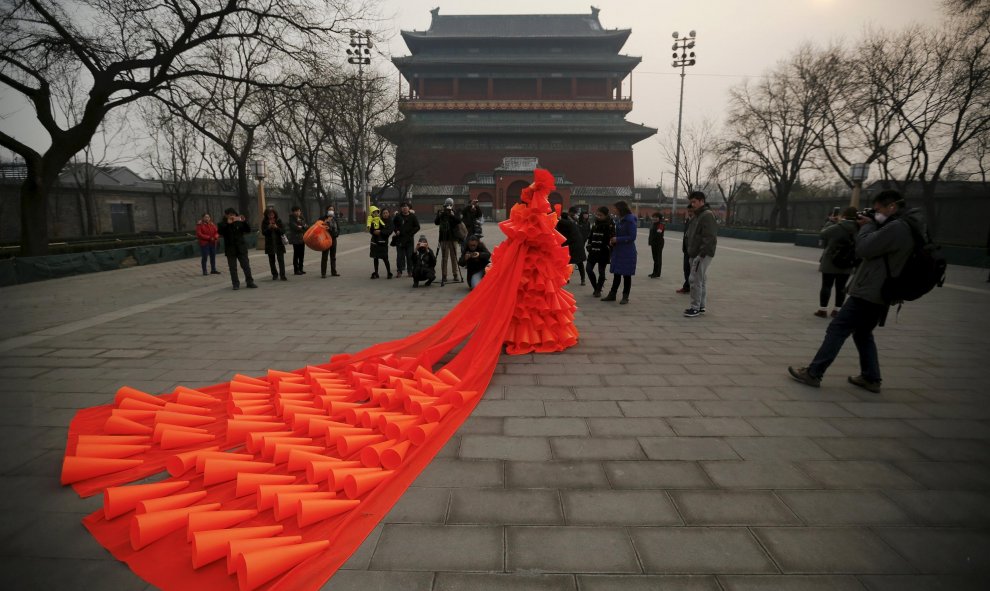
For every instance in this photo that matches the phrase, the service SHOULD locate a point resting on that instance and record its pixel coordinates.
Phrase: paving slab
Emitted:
(831, 550)
(569, 549)
(700, 550)
(619, 507)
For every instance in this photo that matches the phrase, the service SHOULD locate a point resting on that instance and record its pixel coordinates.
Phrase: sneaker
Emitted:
(609, 298)
(801, 374)
(389, 276)
(215, 272)
(335, 274)
(865, 384)
(596, 294)
(252, 285)
(624, 301)
(821, 314)
(682, 290)
(692, 313)
(701, 310)
(834, 313)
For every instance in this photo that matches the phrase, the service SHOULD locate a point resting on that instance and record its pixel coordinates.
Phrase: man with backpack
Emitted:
(885, 242)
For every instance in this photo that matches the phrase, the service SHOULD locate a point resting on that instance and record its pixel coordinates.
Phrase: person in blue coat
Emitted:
(623, 252)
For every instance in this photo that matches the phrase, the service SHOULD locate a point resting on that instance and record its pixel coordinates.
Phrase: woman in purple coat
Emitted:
(623, 252)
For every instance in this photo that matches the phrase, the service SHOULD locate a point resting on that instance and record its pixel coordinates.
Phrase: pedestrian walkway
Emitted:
(661, 452)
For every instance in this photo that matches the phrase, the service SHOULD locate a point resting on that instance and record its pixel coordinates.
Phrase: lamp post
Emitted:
(682, 59)
(360, 55)
(260, 172)
(857, 174)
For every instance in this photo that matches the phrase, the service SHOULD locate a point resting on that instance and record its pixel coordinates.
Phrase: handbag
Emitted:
(285, 240)
(460, 231)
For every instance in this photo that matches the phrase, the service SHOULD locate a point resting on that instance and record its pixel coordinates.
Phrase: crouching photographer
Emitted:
(424, 263)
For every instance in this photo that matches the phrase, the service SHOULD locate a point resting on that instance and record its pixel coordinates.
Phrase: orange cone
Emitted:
(461, 397)
(267, 492)
(122, 426)
(194, 397)
(300, 458)
(133, 414)
(169, 502)
(434, 413)
(287, 503)
(160, 428)
(282, 451)
(447, 376)
(371, 455)
(181, 463)
(258, 412)
(237, 429)
(149, 527)
(254, 441)
(420, 433)
(114, 439)
(248, 483)
(189, 409)
(75, 469)
(423, 374)
(133, 404)
(348, 445)
(238, 547)
(243, 379)
(217, 470)
(260, 566)
(399, 430)
(118, 500)
(109, 450)
(393, 457)
(318, 471)
(268, 447)
(128, 392)
(318, 426)
(337, 476)
(223, 455)
(172, 439)
(356, 484)
(181, 418)
(311, 511)
(251, 396)
(211, 545)
(216, 520)
(333, 432)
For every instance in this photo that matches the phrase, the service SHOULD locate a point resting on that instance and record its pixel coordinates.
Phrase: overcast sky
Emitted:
(735, 39)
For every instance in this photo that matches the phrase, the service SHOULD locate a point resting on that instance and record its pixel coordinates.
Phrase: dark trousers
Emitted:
(280, 258)
(403, 258)
(388, 267)
(298, 253)
(330, 253)
(232, 261)
(580, 268)
(858, 318)
(208, 250)
(687, 272)
(594, 261)
(657, 251)
(626, 285)
(828, 280)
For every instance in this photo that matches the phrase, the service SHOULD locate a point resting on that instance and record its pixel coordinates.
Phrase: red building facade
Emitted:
(487, 97)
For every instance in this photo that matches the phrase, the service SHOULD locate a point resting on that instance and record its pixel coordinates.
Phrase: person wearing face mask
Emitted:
(885, 241)
(333, 227)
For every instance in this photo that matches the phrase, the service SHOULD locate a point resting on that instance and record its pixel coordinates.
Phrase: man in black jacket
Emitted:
(406, 226)
(657, 228)
(233, 229)
(448, 219)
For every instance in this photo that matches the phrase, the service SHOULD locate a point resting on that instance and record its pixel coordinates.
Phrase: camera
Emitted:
(869, 212)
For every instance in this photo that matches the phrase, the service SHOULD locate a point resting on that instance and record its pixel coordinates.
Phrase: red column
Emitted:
(491, 88)
(539, 88)
(456, 87)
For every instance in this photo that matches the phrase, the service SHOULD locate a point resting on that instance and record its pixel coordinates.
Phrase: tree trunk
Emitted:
(34, 212)
(243, 198)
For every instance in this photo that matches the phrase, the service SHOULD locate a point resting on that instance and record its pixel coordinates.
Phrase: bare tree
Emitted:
(130, 49)
(176, 156)
(699, 153)
(771, 125)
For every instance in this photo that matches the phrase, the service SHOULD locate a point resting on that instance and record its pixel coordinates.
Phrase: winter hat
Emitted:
(422, 238)
(448, 202)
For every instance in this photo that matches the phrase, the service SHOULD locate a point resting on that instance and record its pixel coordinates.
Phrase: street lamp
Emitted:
(683, 58)
(359, 54)
(857, 174)
(260, 172)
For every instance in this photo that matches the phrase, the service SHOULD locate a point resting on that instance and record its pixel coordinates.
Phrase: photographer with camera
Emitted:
(474, 260)
(406, 226)
(838, 261)
(884, 243)
(448, 220)
(233, 228)
(424, 263)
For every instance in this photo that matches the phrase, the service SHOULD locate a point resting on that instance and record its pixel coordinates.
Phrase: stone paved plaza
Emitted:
(659, 453)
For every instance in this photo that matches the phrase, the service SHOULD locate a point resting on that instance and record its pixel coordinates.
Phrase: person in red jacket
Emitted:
(206, 233)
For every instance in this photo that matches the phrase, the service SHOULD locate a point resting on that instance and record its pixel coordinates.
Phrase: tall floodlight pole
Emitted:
(683, 58)
(360, 54)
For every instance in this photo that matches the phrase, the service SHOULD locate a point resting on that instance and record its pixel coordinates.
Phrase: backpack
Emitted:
(845, 257)
(923, 271)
